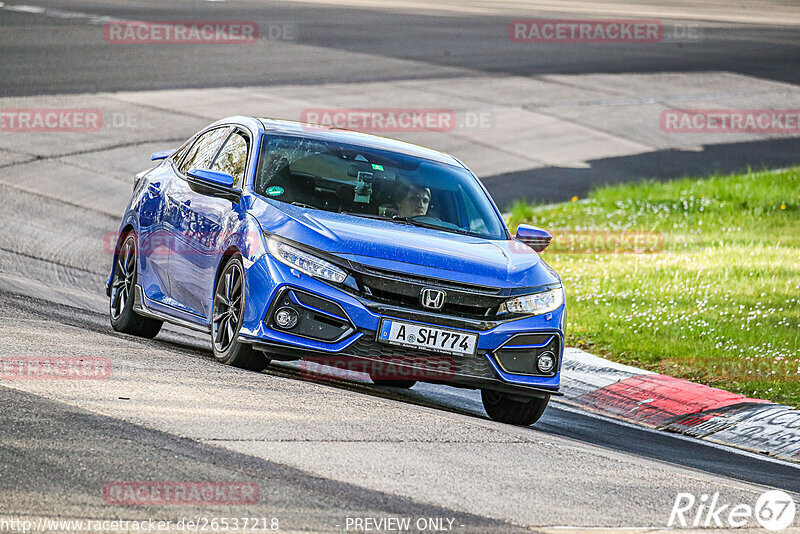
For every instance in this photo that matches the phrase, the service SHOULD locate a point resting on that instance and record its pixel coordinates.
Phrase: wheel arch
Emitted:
(128, 228)
(124, 231)
(231, 251)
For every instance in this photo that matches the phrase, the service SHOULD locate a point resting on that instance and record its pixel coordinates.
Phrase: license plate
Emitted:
(427, 337)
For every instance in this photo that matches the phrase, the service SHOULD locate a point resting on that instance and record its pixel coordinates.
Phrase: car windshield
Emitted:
(367, 182)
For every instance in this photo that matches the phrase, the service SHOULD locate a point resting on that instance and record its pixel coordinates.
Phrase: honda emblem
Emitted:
(432, 298)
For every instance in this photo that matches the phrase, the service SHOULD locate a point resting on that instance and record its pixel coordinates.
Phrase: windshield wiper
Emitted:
(303, 205)
(412, 222)
(366, 215)
(423, 224)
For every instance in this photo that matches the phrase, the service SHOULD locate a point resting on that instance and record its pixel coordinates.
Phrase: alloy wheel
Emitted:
(124, 277)
(228, 307)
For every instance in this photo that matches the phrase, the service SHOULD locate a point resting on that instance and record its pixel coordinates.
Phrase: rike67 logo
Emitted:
(774, 510)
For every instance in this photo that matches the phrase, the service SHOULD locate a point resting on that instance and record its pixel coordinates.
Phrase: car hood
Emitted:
(410, 249)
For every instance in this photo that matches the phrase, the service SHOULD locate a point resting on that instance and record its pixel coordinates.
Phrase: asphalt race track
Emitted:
(53, 47)
(323, 452)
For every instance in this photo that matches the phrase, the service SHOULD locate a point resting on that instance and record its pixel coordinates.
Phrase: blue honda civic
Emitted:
(287, 241)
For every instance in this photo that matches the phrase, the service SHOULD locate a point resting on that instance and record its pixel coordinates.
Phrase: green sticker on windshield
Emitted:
(275, 191)
(376, 167)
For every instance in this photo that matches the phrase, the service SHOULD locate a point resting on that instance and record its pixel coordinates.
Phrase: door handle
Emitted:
(154, 188)
(186, 206)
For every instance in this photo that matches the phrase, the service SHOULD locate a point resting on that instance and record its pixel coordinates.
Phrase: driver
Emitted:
(412, 200)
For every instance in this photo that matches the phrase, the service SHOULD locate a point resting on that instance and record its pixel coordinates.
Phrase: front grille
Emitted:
(367, 347)
(413, 279)
(400, 289)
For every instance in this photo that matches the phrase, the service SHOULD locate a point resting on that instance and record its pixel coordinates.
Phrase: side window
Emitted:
(178, 155)
(233, 158)
(204, 149)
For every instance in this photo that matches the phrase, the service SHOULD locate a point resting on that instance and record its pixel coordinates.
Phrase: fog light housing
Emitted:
(546, 362)
(286, 317)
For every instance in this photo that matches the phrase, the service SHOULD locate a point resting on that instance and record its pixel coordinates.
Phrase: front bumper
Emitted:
(268, 283)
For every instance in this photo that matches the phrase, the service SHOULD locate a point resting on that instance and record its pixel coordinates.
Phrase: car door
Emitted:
(192, 242)
(216, 213)
(154, 235)
(205, 218)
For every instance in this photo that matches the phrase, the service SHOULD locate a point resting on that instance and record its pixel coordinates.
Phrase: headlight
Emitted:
(535, 304)
(305, 262)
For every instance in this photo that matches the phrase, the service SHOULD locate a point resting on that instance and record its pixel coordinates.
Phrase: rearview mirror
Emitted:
(164, 154)
(534, 237)
(213, 183)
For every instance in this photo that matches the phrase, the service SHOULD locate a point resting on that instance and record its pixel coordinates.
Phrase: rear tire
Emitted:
(503, 409)
(123, 283)
(226, 320)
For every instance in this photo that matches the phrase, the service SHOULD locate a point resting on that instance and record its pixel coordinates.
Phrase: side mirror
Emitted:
(216, 178)
(213, 183)
(164, 154)
(534, 237)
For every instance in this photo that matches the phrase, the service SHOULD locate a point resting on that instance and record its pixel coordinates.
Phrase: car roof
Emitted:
(314, 131)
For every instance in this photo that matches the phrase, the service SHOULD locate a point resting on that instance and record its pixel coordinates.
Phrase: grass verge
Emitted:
(698, 279)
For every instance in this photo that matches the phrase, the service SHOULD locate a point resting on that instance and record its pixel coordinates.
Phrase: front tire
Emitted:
(504, 409)
(120, 302)
(226, 320)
